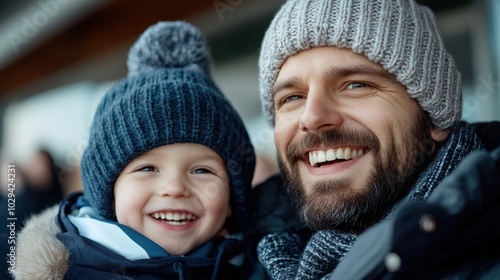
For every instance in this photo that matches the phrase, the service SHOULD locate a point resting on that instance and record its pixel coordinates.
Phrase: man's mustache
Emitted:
(333, 137)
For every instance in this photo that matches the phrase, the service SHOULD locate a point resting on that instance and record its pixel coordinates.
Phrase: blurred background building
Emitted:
(58, 57)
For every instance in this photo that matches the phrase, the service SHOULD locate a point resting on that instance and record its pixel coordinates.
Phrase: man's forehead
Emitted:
(334, 62)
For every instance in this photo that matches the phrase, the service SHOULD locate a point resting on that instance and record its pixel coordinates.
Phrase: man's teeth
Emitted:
(174, 218)
(320, 156)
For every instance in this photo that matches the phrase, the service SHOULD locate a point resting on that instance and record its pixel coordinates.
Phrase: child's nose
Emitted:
(174, 187)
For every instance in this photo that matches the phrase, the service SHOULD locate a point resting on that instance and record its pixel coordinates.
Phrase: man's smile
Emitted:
(318, 158)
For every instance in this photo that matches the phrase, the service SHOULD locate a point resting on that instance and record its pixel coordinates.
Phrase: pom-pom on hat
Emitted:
(168, 97)
(400, 35)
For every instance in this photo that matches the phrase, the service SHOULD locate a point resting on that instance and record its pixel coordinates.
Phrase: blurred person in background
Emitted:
(37, 187)
(42, 187)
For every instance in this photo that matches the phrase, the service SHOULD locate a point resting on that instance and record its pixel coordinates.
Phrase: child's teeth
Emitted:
(173, 217)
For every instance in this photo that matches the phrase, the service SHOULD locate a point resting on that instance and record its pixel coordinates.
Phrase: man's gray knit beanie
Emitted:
(168, 97)
(400, 35)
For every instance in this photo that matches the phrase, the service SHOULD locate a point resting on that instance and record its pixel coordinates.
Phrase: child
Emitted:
(166, 176)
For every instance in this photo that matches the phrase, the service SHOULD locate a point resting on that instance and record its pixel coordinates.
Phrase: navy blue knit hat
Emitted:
(168, 97)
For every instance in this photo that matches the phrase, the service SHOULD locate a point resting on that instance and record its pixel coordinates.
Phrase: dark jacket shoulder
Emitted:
(489, 132)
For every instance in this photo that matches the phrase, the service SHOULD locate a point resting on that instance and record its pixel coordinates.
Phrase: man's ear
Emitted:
(439, 136)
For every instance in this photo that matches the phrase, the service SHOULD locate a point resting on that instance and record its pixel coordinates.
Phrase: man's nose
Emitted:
(320, 112)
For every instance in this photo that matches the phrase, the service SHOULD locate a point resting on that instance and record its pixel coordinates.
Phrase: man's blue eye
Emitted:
(291, 98)
(356, 85)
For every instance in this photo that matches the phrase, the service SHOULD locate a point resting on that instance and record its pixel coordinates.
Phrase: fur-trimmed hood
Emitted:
(39, 254)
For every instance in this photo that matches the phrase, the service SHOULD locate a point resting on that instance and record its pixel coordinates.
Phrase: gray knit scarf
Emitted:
(292, 256)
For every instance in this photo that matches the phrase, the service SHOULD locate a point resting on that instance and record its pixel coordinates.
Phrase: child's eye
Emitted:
(148, 169)
(201, 171)
(356, 85)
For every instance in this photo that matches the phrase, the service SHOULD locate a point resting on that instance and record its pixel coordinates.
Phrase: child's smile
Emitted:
(175, 220)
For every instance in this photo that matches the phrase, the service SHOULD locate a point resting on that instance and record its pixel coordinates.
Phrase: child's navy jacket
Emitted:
(58, 245)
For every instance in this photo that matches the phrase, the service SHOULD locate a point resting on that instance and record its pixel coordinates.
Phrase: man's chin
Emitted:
(331, 206)
(331, 185)
(336, 204)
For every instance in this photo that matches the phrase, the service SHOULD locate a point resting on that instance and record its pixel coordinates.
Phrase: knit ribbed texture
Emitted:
(281, 253)
(459, 145)
(168, 98)
(289, 247)
(400, 35)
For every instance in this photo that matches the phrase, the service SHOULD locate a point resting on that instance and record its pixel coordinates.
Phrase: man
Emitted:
(366, 105)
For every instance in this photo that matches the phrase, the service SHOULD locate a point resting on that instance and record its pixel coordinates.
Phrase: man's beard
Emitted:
(336, 204)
